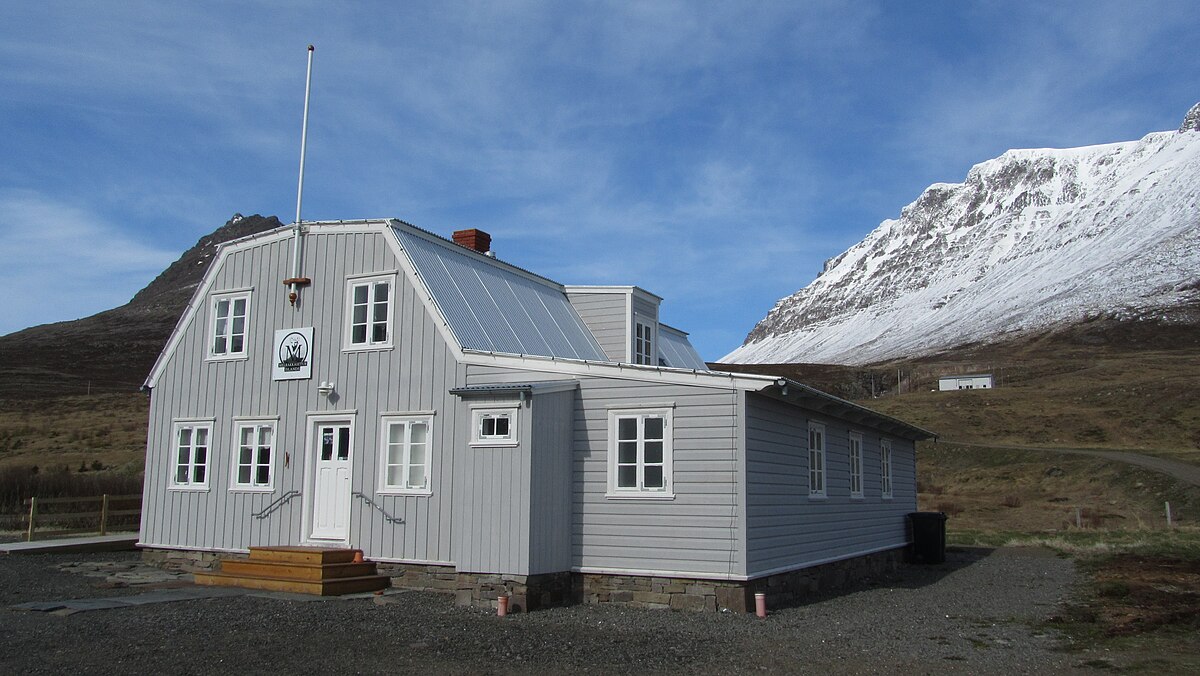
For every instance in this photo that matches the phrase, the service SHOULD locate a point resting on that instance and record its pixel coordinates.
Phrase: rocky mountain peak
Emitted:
(1191, 121)
(113, 350)
(1030, 240)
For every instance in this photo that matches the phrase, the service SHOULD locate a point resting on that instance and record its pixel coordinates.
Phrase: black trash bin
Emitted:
(929, 537)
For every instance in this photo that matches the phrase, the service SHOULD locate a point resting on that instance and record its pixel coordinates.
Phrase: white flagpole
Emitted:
(300, 186)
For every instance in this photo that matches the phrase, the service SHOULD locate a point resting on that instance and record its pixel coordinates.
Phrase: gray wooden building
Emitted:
(449, 413)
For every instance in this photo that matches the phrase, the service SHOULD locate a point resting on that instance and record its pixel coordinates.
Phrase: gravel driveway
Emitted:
(975, 614)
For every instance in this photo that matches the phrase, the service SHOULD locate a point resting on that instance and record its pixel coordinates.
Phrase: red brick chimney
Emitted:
(473, 239)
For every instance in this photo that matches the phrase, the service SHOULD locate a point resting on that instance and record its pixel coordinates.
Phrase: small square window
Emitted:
(494, 427)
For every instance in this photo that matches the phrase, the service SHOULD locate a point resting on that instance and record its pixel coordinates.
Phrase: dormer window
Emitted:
(643, 343)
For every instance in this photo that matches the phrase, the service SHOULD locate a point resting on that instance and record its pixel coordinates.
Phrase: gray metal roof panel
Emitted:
(493, 307)
(675, 349)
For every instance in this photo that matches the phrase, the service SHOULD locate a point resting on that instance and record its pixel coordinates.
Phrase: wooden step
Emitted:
(330, 587)
(310, 555)
(306, 570)
(296, 571)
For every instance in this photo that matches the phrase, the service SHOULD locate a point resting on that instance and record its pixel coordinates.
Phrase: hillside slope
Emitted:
(1032, 240)
(113, 351)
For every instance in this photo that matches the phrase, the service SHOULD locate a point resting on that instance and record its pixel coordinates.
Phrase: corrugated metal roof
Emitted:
(676, 350)
(493, 307)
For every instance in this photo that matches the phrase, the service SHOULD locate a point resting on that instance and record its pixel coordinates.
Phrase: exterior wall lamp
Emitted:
(325, 389)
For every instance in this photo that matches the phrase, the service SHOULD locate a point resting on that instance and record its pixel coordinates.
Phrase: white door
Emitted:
(331, 482)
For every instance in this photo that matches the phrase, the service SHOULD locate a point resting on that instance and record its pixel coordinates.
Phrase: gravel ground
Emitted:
(977, 613)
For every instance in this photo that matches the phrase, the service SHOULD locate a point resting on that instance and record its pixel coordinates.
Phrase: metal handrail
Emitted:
(275, 504)
(387, 517)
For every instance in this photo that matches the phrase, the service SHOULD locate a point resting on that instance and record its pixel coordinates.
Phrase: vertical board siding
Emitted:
(784, 527)
(550, 482)
(695, 533)
(490, 525)
(607, 316)
(415, 375)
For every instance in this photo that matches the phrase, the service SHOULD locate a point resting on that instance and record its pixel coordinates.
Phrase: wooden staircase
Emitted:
(306, 570)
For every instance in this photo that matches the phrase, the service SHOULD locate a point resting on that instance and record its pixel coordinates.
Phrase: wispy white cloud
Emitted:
(713, 152)
(61, 262)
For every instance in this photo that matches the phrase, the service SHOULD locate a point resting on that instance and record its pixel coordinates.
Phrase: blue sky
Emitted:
(713, 153)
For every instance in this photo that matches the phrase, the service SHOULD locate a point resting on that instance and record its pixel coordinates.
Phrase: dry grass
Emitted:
(1032, 491)
(1140, 400)
(53, 433)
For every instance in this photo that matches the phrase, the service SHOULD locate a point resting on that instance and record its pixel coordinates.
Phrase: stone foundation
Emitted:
(531, 592)
(524, 592)
(783, 589)
(186, 561)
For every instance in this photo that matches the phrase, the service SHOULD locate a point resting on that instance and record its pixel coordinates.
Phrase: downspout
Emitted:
(296, 281)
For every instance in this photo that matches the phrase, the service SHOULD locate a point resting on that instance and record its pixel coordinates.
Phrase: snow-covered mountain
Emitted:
(1031, 240)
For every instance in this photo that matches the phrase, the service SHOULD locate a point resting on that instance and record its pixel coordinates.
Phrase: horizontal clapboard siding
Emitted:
(786, 528)
(607, 316)
(698, 531)
(415, 375)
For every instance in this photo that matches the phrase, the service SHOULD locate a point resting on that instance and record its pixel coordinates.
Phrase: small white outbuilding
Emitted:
(982, 381)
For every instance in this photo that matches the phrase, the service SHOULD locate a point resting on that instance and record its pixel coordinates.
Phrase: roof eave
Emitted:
(791, 390)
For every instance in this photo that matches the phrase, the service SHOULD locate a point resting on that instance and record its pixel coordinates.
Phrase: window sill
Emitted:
(251, 489)
(886, 497)
(223, 357)
(189, 489)
(857, 498)
(405, 492)
(498, 443)
(818, 497)
(640, 496)
(366, 348)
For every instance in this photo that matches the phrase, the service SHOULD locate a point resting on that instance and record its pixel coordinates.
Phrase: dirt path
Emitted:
(1181, 471)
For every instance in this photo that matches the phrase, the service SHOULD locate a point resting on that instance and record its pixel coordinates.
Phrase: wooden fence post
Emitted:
(103, 514)
(32, 516)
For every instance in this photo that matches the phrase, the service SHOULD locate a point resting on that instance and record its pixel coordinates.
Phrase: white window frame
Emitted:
(480, 413)
(193, 425)
(817, 468)
(407, 420)
(370, 281)
(639, 492)
(885, 468)
(856, 465)
(643, 336)
(253, 486)
(231, 297)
